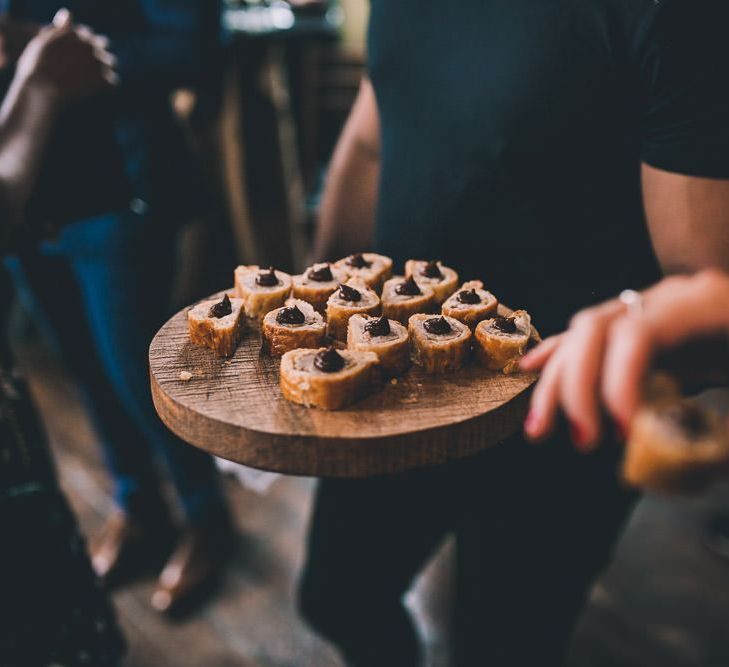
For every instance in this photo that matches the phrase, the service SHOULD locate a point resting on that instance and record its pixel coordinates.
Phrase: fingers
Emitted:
(580, 379)
(536, 358)
(62, 19)
(630, 348)
(106, 58)
(101, 42)
(111, 77)
(545, 401)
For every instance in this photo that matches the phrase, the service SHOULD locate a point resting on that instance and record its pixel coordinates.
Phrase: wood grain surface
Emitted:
(234, 409)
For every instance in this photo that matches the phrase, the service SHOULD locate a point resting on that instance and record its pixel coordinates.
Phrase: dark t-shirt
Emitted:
(513, 132)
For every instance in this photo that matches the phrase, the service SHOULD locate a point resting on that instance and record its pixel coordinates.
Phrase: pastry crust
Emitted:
(393, 349)
(301, 382)
(442, 287)
(260, 299)
(664, 454)
(339, 309)
(399, 306)
(317, 292)
(220, 334)
(438, 353)
(471, 313)
(501, 351)
(370, 267)
(280, 338)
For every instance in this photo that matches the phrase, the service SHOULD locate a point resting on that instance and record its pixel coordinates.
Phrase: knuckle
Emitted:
(584, 318)
(711, 277)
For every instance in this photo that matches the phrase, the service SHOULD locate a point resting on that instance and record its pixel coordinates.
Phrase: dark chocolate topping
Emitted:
(222, 308)
(267, 278)
(347, 293)
(432, 270)
(290, 315)
(469, 296)
(321, 275)
(689, 418)
(408, 287)
(358, 261)
(504, 324)
(438, 326)
(378, 327)
(329, 361)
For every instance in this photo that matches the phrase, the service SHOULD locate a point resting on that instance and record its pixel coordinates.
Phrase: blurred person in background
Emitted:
(53, 608)
(115, 184)
(561, 152)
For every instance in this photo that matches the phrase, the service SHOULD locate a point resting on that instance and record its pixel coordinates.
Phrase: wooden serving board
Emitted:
(234, 409)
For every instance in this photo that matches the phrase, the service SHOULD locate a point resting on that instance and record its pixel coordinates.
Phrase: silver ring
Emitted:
(632, 300)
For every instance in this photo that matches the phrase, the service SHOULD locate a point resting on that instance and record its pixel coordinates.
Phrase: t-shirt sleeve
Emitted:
(684, 80)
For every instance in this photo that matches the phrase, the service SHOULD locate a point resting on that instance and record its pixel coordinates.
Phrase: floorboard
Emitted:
(664, 601)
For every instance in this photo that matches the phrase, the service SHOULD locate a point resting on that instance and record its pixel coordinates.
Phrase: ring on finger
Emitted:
(632, 300)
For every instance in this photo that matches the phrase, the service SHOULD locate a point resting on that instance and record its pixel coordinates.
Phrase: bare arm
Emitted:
(59, 65)
(26, 118)
(346, 218)
(602, 358)
(688, 218)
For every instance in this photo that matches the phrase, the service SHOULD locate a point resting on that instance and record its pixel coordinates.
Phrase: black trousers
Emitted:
(534, 525)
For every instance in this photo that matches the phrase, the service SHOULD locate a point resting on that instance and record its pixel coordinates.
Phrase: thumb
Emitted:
(63, 18)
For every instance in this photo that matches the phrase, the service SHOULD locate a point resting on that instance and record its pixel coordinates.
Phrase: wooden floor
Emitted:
(664, 602)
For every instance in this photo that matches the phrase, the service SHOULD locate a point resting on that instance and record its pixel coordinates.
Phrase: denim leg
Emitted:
(124, 270)
(48, 292)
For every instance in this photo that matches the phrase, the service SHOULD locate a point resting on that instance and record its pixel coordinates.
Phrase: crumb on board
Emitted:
(185, 376)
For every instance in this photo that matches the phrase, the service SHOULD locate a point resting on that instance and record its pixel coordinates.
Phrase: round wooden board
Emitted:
(234, 409)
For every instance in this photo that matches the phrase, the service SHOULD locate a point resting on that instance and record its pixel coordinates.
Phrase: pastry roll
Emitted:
(317, 284)
(217, 325)
(403, 297)
(262, 289)
(442, 280)
(675, 446)
(295, 325)
(500, 342)
(351, 298)
(327, 378)
(388, 339)
(370, 267)
(438, 343)
(471, 304)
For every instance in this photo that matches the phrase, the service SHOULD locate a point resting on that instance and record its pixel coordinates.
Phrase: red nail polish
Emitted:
(530, 421)
(621, 429)
(579, 437)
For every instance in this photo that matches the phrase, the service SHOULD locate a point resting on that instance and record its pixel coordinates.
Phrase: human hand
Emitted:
(600, 362)
(14, 37)
(67, 61)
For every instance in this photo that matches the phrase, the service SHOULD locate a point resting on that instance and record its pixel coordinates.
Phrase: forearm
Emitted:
(347, 214)
(688, 218)
(349, 200)
(26, 117)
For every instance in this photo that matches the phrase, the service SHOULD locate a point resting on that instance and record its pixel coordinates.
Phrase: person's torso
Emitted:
(510, 145)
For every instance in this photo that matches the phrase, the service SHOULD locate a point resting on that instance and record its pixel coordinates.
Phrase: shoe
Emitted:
(195, 567)
(129, 547)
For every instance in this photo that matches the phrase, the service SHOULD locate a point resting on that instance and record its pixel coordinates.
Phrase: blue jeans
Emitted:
(101, 290)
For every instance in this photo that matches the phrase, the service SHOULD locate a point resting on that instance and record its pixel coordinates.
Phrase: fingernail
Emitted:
(531, 422)
(579, 435)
